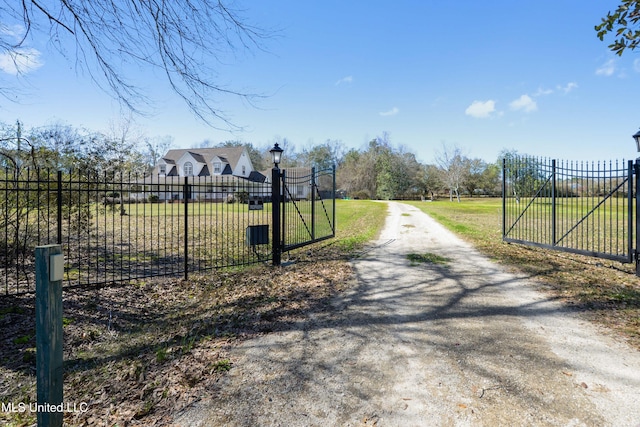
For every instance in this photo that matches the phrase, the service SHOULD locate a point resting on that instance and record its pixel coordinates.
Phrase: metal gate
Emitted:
(303, 208)
(579, 207)
(308, 211)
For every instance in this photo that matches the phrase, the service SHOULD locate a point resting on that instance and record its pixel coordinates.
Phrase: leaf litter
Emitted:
(137, 353)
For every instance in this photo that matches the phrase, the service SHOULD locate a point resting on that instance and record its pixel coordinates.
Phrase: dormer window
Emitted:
(163, 169)
(188, 169)
(244, 170)
(217, 167)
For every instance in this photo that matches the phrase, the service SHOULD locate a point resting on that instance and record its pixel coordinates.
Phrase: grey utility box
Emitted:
(257, 235)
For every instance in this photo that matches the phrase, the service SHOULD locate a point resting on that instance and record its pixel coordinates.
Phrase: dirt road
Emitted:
(452, 343)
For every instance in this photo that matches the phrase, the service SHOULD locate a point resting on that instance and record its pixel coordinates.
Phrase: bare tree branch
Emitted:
(188, 40)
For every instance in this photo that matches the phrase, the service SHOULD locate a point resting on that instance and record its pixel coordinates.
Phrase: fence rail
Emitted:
(119, 228)
(580, 207)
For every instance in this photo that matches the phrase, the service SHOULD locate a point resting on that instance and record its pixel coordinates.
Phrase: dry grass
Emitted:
(136, 354)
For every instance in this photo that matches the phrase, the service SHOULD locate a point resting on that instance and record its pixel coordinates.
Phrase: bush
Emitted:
(242, 196)
(361, 195)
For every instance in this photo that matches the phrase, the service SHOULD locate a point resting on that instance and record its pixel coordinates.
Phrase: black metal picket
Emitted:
(579, 207)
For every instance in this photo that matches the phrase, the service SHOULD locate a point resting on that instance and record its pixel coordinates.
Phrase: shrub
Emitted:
(242, 196)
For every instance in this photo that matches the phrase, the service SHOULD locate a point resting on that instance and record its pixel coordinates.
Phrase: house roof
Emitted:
(257, 177)
(231, 154)
(198, 157)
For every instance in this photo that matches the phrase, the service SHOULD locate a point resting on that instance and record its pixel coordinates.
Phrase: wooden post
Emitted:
(49, 266)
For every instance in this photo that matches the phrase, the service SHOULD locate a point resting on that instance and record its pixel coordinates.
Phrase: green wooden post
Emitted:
(49, 266)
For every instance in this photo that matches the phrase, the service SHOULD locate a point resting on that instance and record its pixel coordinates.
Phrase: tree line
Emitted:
(379, 170)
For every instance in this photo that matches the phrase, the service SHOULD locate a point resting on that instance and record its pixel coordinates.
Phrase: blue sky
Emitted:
(485, 76)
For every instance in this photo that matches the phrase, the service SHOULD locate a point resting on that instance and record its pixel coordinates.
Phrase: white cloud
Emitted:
(524, 103)
(481, 110)
(23, 60)
(569, 87)
(607, 69)
(542, 91)
(348, 79)
(15, 31)
(391, 112)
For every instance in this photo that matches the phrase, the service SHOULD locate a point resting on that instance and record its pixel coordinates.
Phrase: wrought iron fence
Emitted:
(117, 228)
(125, 227)
(580, 207)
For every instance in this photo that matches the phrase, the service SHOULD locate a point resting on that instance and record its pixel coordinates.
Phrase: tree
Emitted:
(490, 180)
(429, 180)
(325, 155)
(522, 174)
(62, 147)
(624, 22)
(114, 39)
(380, 171)
(452, 165)
(157, 147)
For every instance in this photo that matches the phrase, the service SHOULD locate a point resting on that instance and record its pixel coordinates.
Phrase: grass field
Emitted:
(590, 223)
(607, 291)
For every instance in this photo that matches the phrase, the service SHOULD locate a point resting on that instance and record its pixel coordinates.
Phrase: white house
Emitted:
(205, 162)
(214, 174)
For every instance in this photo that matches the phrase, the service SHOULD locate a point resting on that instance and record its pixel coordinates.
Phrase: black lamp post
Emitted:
(276, 154)
(636, 137)
(276, 242)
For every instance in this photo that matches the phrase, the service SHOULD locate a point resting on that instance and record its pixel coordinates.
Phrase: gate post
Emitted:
(333, 225)
(313, 203)
(276, 247)
(636, 168)
(553, 203)
(630, 215)
(186, 194)
(504, 197)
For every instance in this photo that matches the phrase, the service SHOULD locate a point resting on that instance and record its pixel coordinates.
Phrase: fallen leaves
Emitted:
(140, 353)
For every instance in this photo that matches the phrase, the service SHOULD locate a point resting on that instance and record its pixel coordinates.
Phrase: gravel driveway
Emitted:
(459, 343)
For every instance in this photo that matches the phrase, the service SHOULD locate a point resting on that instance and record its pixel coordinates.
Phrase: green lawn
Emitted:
(358, 221)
